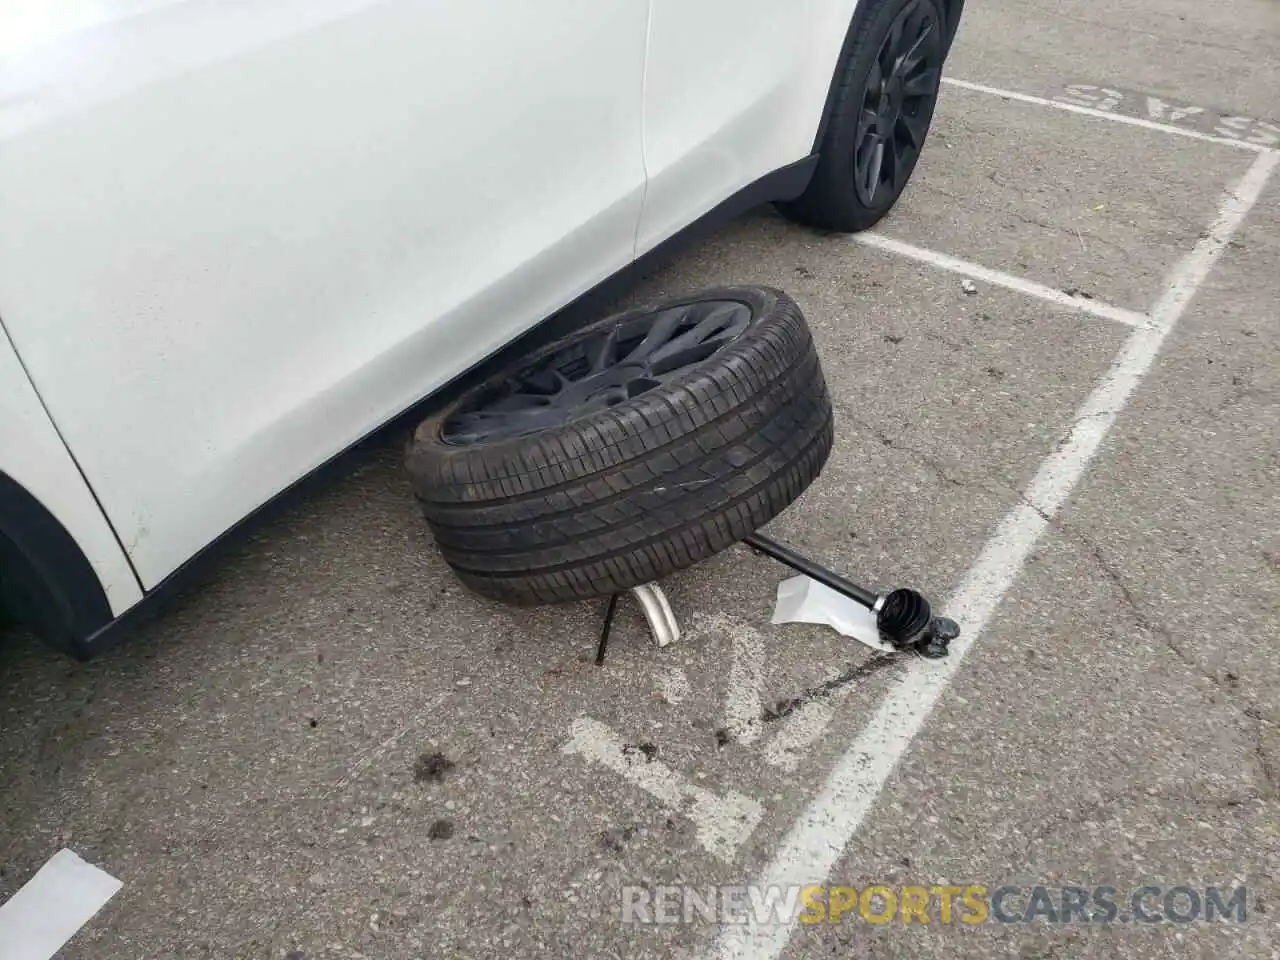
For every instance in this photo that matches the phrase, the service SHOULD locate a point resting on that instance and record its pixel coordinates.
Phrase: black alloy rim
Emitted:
(598, 371)
(897, 103)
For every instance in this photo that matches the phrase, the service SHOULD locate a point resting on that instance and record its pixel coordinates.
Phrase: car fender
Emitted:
(48, 514)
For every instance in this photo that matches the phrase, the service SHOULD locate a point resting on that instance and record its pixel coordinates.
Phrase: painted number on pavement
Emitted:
(1133, 103)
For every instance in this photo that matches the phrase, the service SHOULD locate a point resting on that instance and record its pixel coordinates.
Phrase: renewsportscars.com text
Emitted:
(971, 904)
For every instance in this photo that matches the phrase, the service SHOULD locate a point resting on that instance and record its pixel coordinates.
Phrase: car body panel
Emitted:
(734, 89)
(36, 459)
(283, 243)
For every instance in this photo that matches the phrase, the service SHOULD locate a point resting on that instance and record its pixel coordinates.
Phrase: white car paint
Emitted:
(63, 57)
(33, 455)
(734, 90)
(240, 236)
(271, 254)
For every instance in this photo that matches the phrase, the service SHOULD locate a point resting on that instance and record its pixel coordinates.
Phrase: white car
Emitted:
(239, 238)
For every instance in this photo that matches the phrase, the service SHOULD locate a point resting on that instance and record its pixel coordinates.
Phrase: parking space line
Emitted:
(1105, 115)
(803, 729)
(746, 677)
(722, 824)
(673, 683)
(974, 271)
(52, 906)
(818, 839)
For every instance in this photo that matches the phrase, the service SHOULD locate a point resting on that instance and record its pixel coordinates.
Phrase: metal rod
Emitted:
(608, 627)
(795, 561)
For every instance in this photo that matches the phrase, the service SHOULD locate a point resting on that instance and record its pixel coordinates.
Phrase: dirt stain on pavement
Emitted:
(431, 767)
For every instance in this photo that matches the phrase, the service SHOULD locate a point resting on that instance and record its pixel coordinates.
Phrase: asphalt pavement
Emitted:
(1057, 389)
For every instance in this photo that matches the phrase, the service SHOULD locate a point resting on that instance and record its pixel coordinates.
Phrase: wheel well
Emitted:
(45, 580)
(951, 9)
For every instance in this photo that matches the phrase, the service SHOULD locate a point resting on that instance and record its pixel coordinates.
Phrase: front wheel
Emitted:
(886, 90)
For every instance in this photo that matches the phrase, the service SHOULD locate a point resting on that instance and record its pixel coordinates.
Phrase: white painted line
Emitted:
(674, 684)
(722, 824)
(52, 906)
(746, 677)
(1107, 115)
(815, 843)
(1008, 281)
(801, 731)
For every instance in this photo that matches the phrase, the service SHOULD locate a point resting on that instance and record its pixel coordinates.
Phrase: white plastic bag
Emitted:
(801, 600)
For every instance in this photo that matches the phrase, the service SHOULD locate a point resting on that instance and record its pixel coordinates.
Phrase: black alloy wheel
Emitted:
(897, 103)
(599, 371)
(882, 104)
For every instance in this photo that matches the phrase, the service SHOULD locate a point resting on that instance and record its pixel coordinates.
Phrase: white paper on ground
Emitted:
(61, 898)
(801, 600)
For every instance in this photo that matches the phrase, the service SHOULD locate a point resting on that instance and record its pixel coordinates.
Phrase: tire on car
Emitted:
(638, 446)
(884, 92)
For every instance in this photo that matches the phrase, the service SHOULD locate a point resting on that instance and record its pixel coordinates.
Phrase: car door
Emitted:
(734, 89)
(238, 237)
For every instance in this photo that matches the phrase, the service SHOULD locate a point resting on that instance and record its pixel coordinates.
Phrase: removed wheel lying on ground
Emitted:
(638, 446)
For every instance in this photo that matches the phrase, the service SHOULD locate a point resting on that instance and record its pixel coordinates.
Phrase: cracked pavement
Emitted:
(328, 749)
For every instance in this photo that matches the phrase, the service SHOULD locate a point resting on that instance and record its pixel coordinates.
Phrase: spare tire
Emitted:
(640, 445)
